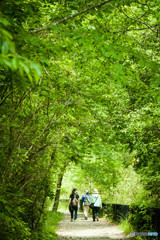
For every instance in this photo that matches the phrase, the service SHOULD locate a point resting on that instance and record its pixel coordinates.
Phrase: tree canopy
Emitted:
(79, 84)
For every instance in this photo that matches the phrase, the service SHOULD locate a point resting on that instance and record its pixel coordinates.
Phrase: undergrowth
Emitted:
(48, 226)
(126, 226)
(63, 204)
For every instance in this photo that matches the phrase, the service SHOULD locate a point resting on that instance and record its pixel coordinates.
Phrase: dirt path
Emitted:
(87, 229)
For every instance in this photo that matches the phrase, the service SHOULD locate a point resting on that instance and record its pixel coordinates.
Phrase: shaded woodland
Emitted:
(79, 85)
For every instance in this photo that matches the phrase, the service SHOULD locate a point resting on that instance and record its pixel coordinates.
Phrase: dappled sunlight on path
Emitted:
(87, 229)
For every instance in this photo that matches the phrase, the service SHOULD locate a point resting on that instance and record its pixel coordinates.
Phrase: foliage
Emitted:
(63, 204)
(49, 225)
(126, 226)
(142, 218)
(79, 83)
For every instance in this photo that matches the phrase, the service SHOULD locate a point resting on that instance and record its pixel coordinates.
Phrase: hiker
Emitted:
(85, 202)
(96, 200)
(73, 204)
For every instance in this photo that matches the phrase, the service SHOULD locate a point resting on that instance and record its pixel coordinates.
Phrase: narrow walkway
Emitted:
(87, 229)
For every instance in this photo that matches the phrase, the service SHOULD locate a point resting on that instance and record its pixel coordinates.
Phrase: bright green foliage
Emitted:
(49, 222)
(14, 62)
(77, 84)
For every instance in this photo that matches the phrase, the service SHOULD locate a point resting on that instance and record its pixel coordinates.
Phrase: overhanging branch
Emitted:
(70, 17)
(129, 30)
(138, 20)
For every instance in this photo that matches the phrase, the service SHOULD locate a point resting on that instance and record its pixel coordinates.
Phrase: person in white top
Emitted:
(96, 199)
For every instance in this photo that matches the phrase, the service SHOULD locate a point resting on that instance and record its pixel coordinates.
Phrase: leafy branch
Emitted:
(70, 17)
(138, 20)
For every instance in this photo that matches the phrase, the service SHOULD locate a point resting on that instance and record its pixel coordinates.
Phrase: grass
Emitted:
(49, 226)
(126, 226)
(63, 205)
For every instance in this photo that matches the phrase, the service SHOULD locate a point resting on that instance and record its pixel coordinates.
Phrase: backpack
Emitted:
(92, 201)
(75, 201)
(86, 200)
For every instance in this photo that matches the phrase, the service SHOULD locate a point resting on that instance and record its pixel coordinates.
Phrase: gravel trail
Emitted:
(87, 229)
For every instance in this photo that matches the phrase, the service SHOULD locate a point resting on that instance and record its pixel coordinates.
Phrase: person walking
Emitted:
(73, 204)
(85, 202)
(96, 200)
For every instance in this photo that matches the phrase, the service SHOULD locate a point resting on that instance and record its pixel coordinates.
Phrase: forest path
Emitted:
(87, 229)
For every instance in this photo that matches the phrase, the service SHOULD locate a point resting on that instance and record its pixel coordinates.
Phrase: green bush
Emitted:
(48, 225)
(12, 224)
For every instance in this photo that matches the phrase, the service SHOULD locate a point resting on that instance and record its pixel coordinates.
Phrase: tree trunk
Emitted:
(58, 191)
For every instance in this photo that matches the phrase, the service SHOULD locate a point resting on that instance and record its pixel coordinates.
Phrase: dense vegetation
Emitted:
(79, 84)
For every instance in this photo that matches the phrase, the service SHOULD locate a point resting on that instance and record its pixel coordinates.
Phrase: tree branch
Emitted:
(128, 30)
(3, 100)
(138, 20)
(70, 17)
(57, 9)
(30, 180)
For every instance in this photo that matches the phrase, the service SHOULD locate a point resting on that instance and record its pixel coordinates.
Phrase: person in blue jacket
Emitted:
(85, 202)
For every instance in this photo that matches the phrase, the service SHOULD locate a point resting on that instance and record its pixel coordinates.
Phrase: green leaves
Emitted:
(16, 63)
(85, 91)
